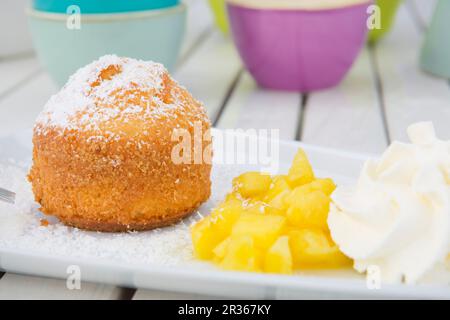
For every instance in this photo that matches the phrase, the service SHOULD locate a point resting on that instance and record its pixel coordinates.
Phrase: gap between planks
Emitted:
(301, 118)
(380, 92)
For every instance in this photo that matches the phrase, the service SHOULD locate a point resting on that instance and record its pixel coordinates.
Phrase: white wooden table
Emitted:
(384, 92)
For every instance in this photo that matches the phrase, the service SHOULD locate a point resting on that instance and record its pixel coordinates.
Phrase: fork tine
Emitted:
(7, 196)
(6, 192)
(7, 200)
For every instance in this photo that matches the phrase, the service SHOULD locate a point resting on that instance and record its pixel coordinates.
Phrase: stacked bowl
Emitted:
(435, 56)
(68, 34)
(218, 8)
(388, 11)
(298, 45)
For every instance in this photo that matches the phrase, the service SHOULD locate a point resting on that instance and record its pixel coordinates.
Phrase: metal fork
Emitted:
(7, 196)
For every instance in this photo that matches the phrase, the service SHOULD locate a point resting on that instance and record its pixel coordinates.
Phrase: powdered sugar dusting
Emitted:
(88, 99)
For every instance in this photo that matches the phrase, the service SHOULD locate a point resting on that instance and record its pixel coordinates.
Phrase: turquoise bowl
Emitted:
(148, 35)
(102, 6)
(435, 56)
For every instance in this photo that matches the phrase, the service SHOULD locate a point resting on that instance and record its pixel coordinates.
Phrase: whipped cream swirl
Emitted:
(397, 217)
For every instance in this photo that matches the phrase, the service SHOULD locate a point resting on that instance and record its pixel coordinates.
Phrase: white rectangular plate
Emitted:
(162, 259)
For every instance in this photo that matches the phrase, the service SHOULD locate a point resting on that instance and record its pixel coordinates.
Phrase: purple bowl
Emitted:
(298, 50)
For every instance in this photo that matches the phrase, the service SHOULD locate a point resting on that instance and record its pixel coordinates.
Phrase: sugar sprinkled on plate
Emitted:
(21, 229)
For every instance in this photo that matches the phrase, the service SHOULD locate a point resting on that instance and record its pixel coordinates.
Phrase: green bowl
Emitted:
(388, 12)
(148, 35)
(218, 8)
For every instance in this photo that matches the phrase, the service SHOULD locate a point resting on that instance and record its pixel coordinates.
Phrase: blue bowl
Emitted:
(148, 35)
(102, 6)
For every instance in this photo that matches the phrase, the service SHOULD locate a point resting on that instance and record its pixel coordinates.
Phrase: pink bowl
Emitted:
(298, 50)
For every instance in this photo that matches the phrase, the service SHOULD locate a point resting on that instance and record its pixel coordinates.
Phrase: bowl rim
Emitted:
(106, 17)
(307, 5)
(48, 6)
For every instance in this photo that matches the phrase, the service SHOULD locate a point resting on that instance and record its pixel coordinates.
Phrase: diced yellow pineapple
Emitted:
(326, 185)
(301, 171)
(278, 258)
(274, 211)
(254, 207)
(313, 248)
(279, 201)
(264, 229)
(323, 184)
(271, 224)
(221, 249)
(279, 185)
(233, 196)
(297, 195)
(242, 255)
(309, 211)
(205, 237)
(252, 184)
(226, 214)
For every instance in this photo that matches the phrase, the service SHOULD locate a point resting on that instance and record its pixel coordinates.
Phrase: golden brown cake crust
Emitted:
(112, 171)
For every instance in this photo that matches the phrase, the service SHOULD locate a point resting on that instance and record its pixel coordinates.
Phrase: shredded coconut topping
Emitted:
(109, 88)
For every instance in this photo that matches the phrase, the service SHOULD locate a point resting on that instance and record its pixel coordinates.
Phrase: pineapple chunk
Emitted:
(314, 249)
(242, 255)
(279, 185)
(325, 184)
(226, 214)
(301, 171)
(264, 229)
(205, 237)
(221, 249)
(274, 211)
(279, 201)
(278, 258)
(254, 207)
(295, 195)
(309, 210)
(252, 184)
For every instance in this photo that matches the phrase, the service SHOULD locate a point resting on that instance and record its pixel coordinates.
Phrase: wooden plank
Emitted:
(348, 116)
(210, 72)
(253, 108)
(15, 71)
(19, 109)
(164, 295)
(199, 23)
(410, 95)
(13, 286)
